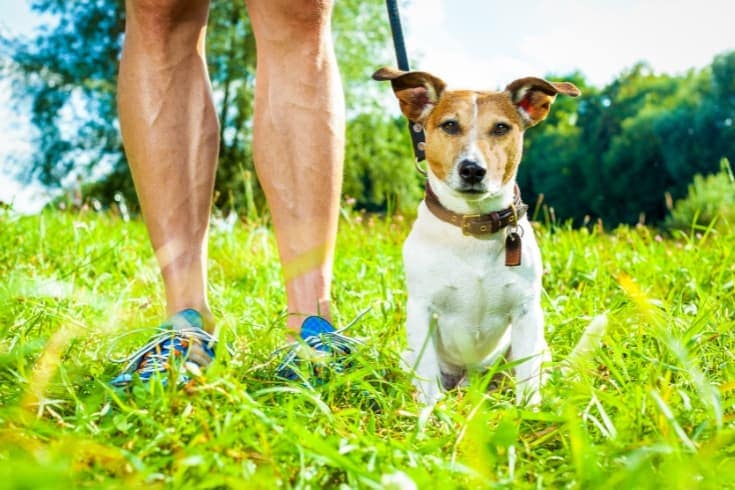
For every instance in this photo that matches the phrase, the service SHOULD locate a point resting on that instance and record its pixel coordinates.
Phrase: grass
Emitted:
(651, 406)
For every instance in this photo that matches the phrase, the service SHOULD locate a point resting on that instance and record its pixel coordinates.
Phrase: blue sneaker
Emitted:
(320, 346)
(181, 346)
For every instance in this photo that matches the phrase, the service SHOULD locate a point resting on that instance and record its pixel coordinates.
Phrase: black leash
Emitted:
(415, 129)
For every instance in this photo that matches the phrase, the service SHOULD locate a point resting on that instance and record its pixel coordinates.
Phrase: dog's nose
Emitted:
(471, 172)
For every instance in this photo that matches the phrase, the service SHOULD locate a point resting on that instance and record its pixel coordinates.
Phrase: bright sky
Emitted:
(488, 43)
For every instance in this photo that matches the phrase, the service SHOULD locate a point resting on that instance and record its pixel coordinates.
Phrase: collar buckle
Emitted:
(466, 223)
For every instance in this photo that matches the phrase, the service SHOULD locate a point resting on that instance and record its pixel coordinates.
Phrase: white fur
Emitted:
(465, 306)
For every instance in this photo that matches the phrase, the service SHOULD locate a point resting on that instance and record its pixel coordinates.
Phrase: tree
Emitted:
(616, 153)
(379, 170)
(68, 72)
(552, 151)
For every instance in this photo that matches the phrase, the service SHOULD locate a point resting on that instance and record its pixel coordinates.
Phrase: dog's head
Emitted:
(474, 140)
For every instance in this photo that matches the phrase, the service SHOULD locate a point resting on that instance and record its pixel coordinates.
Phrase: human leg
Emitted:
(299, 143)
(170, 134)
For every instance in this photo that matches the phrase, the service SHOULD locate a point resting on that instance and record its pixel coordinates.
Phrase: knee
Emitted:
(158, 20)
(306, 15)
(299, 21)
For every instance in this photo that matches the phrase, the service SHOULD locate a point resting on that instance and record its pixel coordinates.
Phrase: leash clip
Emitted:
(513, 227)
(513, 216)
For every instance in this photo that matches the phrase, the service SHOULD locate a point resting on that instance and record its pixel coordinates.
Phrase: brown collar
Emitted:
(478, 224)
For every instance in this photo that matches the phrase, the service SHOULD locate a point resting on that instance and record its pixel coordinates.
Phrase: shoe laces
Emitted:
(318, 346)
(155, 354)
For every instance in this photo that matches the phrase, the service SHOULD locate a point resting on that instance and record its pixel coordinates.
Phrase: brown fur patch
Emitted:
(416, 91)
(501, 152)
(534, 96)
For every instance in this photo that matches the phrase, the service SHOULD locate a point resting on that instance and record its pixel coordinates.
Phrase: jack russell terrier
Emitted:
(473, 267)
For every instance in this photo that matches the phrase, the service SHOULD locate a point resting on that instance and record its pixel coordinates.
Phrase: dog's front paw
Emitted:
(528, 394)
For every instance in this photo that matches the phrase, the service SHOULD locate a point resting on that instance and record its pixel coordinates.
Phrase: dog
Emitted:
(473, 267)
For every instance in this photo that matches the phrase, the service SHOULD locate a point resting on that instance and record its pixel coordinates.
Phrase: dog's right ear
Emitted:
(417, 91)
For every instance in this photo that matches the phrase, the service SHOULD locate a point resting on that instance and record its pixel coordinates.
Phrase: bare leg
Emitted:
(299, 143)
(170, 131)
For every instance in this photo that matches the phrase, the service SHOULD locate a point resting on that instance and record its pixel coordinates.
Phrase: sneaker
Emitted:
(181, 339)
(320, 347)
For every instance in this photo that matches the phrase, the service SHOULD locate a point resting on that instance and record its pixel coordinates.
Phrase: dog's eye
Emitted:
(450, 127)
(500, 129)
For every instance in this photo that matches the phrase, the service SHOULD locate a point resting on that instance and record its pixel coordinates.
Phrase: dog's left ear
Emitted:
(417, 91)
(533, 97)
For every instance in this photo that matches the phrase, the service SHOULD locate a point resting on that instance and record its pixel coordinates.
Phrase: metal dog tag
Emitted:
(513, 249)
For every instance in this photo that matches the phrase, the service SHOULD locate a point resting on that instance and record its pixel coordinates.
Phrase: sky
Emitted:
(486, 44)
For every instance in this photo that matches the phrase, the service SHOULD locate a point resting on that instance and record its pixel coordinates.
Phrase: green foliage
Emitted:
(379, 170)
(710, 201)
(650, 407)
(231, 60)
(616, 152)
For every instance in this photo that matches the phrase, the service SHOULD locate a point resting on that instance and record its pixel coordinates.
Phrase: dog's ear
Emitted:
(417, 91)
(533, 97)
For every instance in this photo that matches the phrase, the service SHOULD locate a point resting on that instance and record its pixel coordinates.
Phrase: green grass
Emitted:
(652, 406)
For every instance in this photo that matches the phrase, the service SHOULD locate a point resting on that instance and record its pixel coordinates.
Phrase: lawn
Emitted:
(649, 404)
